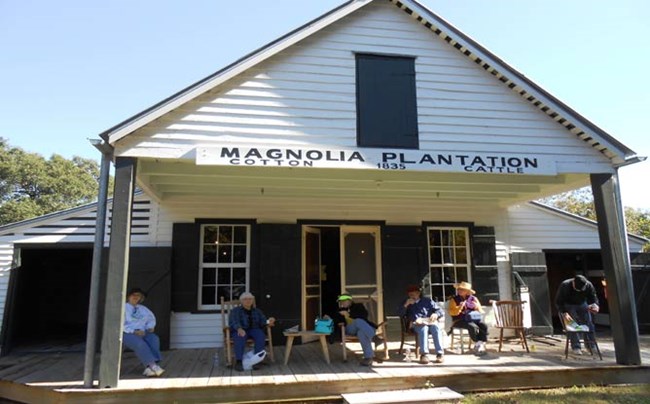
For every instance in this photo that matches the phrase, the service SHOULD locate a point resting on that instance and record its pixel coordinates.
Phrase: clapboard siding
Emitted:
(196, 330)
(305, 95)
(532, 228)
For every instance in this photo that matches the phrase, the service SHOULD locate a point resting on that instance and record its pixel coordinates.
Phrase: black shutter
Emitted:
(404, 262)
(641, 282)
(485, 276)
(386, 102)
(150, 269)
(185, 266)
(279, 292)
(531, 269)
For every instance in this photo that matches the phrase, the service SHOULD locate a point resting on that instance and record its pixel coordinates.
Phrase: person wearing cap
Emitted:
(425, 317)
(247, 322)
(138, 333)
(461, 307)
(355, 317)
(576, 299)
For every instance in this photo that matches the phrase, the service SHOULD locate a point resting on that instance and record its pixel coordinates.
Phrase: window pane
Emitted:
(239, 253)
(446, 237)
(461, 255)
(461, 275)
(436, 275)
(209, 253)
(209, 276)
(436, 293)
(449, 291)
(239, 275)
(224, 276)
(434, 237)
(447, 255)
(210, 234)
(240, 234)
(225, 253)
(237, 290)
(459, 237)
(436, 255)
(223, 291)
(207, 296)
(448, 275)
(225, 234)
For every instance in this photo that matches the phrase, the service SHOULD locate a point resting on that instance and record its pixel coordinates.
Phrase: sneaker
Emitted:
(366, 362)
(239, 367)
(481, 348)
(440, 358)
(157, 370)
(424, 359)
(149, 372)
(378, 340)
(577, 351)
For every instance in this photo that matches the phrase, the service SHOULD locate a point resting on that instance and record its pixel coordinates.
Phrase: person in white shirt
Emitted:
(138, 333)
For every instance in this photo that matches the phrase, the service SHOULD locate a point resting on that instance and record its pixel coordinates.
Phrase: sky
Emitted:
(71, 69)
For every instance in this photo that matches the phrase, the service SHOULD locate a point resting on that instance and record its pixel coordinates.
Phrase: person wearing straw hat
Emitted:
(426, 317)
(465, 310)
(138, 333)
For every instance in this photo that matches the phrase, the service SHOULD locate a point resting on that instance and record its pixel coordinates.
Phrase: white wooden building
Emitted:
(374, 147)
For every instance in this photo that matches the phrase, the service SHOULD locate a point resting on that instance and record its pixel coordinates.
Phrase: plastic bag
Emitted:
(324, 326)
(251, 359)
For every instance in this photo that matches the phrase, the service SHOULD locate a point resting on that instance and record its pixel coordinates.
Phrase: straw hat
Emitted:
(465, 285)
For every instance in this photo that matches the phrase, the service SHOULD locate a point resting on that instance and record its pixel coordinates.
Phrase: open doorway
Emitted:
(50, 300)
(337, 259)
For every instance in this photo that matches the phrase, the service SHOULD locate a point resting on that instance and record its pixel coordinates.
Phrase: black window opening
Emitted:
(386, 102)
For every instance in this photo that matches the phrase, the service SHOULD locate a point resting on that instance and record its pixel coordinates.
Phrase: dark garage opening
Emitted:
(50, 299)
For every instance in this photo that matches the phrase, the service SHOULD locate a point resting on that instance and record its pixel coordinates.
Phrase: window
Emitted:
(449, 260)
(386, 102)
(224, 263)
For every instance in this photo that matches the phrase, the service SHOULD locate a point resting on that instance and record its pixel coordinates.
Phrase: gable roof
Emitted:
(578, 125)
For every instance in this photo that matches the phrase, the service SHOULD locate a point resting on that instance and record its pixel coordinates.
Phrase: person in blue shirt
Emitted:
(247, 322)
(138, 333)
(426, 317)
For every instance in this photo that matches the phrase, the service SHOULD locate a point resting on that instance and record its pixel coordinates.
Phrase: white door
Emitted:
(361, 264)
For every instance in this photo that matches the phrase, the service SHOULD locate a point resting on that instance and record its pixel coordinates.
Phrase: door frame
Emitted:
(303, 272)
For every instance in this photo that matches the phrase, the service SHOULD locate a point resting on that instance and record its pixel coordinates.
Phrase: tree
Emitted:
(581, 202)
(32, 186)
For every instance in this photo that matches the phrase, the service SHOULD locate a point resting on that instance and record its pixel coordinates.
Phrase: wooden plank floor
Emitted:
(192, 376)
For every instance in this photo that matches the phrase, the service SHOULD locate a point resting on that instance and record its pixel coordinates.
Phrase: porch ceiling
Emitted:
(165, 179)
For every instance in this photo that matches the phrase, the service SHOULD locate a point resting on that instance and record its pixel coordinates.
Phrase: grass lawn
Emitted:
(590, 394)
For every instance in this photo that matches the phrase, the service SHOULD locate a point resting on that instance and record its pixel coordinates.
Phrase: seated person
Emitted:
(247, 322)
(424, 315)
(355, 318)
(576, 298)
(460, 307)
(138, 333)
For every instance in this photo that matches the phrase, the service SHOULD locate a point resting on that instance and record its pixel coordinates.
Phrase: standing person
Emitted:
(576, 299)
(138, 333)
(355, 317)
(425, 316)
(465, 310)
(247, 322)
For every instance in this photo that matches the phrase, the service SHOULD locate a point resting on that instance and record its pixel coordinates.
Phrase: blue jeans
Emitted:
(146, 347)
(256, 334)
(582, 315)
(423, 331)
(364, 331)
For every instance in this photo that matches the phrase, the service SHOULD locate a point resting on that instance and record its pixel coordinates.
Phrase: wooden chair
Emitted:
(407, 332)
(226, 307)
(509, 314)
(381, 327)
(568, 333)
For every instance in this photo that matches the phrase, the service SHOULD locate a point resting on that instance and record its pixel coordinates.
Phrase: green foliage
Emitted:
(581, 202)
(573, 395)
(31, 186)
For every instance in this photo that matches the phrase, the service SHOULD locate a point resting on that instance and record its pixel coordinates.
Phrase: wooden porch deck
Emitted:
(192, 377)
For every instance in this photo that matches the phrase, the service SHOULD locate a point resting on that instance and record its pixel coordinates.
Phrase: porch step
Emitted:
(402, 396)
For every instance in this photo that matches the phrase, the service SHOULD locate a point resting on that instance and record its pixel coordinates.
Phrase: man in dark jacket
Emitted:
(426, 317)
(355, 317)
(576, 299)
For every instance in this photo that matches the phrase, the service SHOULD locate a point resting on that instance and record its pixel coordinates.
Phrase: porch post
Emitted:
(118, 264)
(616, 263)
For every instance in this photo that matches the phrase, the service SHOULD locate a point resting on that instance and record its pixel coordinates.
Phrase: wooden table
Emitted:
(291, 335)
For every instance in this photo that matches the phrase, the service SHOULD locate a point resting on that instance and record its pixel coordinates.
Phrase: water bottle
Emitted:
(407, 355)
